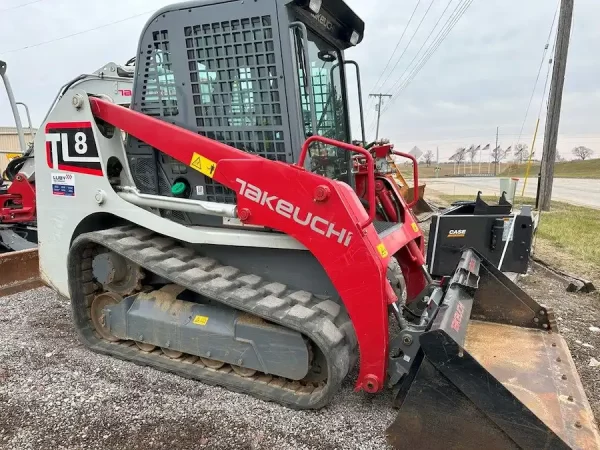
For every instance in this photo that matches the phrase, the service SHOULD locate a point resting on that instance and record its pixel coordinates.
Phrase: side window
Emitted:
(318, 67)
(160, 87)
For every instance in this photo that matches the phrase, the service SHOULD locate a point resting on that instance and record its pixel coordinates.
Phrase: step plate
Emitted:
(537, 368)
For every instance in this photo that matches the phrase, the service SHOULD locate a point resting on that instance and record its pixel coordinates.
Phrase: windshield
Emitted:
(323, 65)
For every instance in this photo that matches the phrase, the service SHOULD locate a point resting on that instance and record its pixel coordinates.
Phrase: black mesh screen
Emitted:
(235, 89)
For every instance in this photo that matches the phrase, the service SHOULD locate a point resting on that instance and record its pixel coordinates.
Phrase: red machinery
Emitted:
(376, 268)
(17, 201)
(203, 246)
(331, 221)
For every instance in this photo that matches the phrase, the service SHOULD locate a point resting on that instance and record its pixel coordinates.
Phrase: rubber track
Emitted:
(326, 326)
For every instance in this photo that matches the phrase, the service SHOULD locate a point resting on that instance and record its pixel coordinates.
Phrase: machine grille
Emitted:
(236, 89)
(158, 99)
(159, 96)
(143, 170)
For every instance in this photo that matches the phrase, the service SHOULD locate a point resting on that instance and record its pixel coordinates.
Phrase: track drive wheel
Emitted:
(98, 316)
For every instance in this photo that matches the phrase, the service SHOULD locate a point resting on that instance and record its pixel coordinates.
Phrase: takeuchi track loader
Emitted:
(236, 237)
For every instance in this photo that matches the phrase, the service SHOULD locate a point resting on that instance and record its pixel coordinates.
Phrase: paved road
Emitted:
(583, 192)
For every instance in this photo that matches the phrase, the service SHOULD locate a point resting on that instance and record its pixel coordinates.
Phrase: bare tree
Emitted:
(558, 157)
(582, 152)
(458, 157)
(498, 155)
(520, 152)
(428, 157)
(472, 152)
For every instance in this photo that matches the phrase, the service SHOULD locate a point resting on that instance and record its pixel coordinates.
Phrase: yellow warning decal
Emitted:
(382, 250)
(414, 227)
(203, 165)
(200, 320)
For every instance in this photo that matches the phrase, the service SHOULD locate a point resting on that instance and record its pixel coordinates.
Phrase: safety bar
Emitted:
(415, 176)
(350, 148)
(360, 102)
(133, 195)
(307, 76)
(28, 117)
(13, 106)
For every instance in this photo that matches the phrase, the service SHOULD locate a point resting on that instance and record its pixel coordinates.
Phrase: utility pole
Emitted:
(563, 34)
(378, 110)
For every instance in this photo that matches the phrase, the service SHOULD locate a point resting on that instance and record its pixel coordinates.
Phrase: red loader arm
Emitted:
(324, 215)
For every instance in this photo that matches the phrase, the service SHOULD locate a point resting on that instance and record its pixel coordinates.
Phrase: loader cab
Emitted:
(320, 34)
(260, 76)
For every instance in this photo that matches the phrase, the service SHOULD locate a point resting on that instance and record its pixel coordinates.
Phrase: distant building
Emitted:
(9, 144)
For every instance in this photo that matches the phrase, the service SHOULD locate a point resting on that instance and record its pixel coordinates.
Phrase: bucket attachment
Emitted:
(491, 371)
(19, 271)
(421, 206)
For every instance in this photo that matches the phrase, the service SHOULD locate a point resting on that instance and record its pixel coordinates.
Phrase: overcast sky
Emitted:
(481, 76)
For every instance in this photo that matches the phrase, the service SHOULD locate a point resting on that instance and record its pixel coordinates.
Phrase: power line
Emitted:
(538, 73)
(20, 6)
(547, 78)
(423, 45)
(400, 58)
(408, 45)
(75, 34)
(440, 38)
(370, 103)
(396, 48)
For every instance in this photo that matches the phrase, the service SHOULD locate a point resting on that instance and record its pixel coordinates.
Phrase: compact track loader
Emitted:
(238, 239)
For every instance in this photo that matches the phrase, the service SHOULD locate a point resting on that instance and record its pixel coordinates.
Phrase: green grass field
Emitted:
(567, 236)
(567, 169)
(446, 169)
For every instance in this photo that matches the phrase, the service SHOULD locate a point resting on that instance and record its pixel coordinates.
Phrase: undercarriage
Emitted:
(323, 345)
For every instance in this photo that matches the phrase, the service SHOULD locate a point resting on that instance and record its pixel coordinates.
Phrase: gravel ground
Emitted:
(55, 394)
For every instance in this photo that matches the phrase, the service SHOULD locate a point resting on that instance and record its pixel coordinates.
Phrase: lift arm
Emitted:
(324, 215)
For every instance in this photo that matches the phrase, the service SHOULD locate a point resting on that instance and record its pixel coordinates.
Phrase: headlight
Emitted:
(354, 37)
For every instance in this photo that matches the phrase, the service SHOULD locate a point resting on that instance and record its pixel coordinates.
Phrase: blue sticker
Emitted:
(63, 184)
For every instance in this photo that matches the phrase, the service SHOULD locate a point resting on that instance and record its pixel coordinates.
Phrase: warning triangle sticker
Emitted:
(197, 163)
(203, 165)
